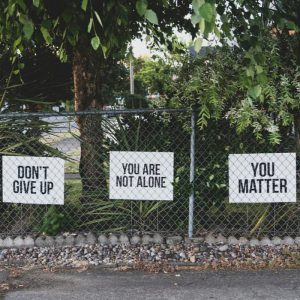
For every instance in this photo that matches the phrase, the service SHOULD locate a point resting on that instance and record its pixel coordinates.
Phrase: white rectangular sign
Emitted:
(262, 178)
(141, 175)
(33, 180)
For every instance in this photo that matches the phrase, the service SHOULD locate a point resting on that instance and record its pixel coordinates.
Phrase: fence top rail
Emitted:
(95, 112)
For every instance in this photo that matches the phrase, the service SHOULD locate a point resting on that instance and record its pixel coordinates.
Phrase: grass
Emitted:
(73, 189)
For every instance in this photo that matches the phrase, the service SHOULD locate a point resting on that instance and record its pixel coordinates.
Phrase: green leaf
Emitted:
(90, 25)
(46, 35)
(198, 44)
(195, 19)
(151, 16)
(255, 91)
(250, 72)
(202, 26)
(197, 4)
(28, 29)
(84, 4)
(141, 7)
(17, 42)
(98, 18)
(36, 3)
(104, 50)
(259, 69)
(95, 42)
(207, 11)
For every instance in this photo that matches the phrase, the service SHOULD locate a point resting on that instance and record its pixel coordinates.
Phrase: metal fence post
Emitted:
(192, 173)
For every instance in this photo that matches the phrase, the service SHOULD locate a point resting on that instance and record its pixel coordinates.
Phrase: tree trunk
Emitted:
(86, 68)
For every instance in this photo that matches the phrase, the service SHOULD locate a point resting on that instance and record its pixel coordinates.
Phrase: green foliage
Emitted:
(219, 91)
(105, 26)
(248, 24)
(53, 221)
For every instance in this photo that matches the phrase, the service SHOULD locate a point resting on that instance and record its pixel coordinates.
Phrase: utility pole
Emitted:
(131, 72)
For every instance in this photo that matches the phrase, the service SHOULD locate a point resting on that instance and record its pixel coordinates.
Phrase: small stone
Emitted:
(223, 248)
(196, 249)
(182, 255)
(254, 242)
(192, 258)
(232, 241)
(232, 254)
(288, 241)
(277, 240)
(135, 240)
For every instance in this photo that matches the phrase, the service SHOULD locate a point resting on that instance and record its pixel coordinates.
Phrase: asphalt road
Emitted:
(107, 284)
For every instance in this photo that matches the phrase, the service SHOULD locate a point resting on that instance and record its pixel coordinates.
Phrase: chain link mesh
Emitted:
(84, 141)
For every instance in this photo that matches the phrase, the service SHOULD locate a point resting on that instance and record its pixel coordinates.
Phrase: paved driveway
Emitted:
(107, 284)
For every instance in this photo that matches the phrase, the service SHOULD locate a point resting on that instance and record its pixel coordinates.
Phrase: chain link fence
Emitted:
(84, 141)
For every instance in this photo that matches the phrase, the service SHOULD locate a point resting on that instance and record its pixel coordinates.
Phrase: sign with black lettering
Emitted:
(141, 175)
(33, 180)
(262, 178)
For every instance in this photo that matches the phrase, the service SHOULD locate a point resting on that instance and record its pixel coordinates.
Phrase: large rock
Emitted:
(80, 240)
(288, 241)
(158, 238)
(210, 239)
(28, 241)
(102, 239)
(124, 240)
(90, 239)
(232, 241)
(8, 242)
(19, 242)
(146, 239)
(254, 242)
(265, 241)
(173, 240)
(243, 241)
(220, 239)
(277, 240)
(113, 239)
(135, 240)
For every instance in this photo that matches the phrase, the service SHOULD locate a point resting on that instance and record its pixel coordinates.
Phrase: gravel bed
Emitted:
(200, 254)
